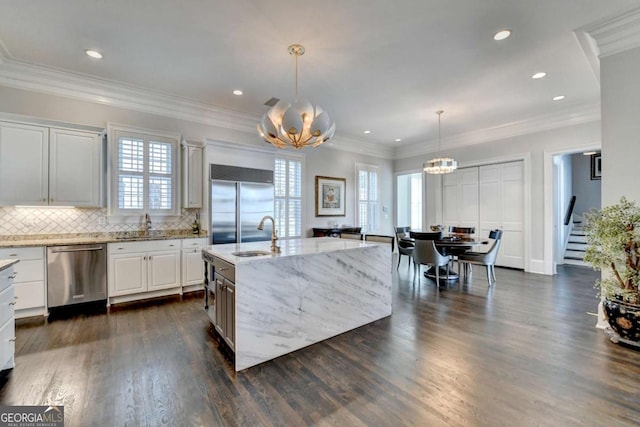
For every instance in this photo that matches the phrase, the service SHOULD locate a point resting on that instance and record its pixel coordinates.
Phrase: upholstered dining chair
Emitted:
(426, 253)
(405, 247)
(455, 251)
(380, 238)
(353, 236)
(488, 259)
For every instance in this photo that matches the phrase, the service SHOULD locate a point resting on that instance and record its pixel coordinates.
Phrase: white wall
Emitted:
(563, 178)
(532, 146)
(586, 190)
(340, 164)
(620, 86)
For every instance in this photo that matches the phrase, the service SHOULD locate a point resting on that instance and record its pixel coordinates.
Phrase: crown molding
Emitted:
(352, 145)
(584, 114)
(51, 81)
(615, 35)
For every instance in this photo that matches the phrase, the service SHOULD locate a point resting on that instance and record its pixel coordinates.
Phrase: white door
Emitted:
(127, 274)
(501, 206)
(469, 198)
(24, 164)
(75, 168)
(192, 267)
(164, 270)
(451, 197)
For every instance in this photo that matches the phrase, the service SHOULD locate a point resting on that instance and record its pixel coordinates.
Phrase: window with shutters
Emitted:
(367, 197)
(288, 197)
(144, 175)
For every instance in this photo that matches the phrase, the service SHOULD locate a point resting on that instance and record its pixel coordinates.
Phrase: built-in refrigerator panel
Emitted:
(223, 212)
(256, 201)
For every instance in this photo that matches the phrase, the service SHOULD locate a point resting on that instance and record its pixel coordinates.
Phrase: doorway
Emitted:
(409, 200)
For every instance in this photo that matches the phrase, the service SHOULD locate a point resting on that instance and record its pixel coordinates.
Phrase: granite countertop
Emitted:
(6, 263)
(293, 247)
(13, 241)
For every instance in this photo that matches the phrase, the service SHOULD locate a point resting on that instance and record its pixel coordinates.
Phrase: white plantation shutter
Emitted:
(288, 197)
(367, 197)
(145, 180)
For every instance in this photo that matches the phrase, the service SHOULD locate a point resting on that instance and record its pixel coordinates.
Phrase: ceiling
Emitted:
(373, 65)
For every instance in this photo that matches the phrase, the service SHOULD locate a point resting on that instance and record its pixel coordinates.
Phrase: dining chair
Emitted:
(426, 253)
(405, 247)
(380, 238)
(488, 259)
(455, 251)
(420, 235)
(352, 236)
(462, 230)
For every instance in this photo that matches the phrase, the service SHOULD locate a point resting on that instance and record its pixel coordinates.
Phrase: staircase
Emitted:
(576, 246)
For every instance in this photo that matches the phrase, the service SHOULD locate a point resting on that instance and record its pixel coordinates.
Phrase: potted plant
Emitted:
(613, 246)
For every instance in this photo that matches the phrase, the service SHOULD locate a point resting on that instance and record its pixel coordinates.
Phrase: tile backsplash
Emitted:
(45, 220)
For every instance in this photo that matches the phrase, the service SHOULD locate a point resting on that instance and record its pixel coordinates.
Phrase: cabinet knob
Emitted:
(44, 200)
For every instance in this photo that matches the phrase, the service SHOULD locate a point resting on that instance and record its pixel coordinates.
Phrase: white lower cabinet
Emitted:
(7, 319)
(143, 269)
(192, 263)
(29, 283)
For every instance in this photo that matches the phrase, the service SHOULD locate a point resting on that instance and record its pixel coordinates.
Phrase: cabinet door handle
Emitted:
(12, 339)
(150, 258)
(13, 254)
(171, 245)
(13, 276)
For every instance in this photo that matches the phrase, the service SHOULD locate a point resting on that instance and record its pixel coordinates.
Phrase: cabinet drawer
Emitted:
(224, 268)
(147, 246)
(7, 344)
(194, 243)
(7, 304)
(29, 270)
(22, 253)
(29, 295)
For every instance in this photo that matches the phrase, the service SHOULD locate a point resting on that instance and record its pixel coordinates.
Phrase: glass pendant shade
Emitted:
(298, 125)
(440, 165)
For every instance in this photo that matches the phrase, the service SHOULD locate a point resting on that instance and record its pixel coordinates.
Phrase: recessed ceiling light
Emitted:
(558, 98)
(237, 92)
(398, 139)
(366, 131)
(539, 75)
(93, 53)
(501, 35)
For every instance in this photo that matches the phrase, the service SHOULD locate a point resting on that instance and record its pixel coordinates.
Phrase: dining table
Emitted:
(451, 243)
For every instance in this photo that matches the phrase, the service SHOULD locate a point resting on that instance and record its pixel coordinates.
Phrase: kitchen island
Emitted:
(268, 305)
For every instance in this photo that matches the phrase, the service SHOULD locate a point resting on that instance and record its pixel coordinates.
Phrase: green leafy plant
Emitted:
(613, 246)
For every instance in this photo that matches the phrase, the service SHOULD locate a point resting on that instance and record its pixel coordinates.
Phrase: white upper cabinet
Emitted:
(24, 164)
(192, 175)
(42, 166)
(75, 168)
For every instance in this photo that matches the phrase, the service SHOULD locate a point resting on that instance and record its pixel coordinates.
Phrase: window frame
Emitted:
(117, 215)
(291, 158)
(369, 168)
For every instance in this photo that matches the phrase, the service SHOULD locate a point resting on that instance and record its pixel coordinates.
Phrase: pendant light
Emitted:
(440, 165)
(298, 125)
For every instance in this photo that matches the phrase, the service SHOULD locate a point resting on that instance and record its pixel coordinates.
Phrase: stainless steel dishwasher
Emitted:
(76, 274)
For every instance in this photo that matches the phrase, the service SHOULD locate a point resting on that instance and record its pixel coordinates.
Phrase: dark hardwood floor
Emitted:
(523, 353)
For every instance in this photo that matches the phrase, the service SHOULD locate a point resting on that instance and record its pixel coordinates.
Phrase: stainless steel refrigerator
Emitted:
(240, 198)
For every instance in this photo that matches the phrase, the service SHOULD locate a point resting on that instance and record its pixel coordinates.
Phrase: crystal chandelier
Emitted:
(298, 126)
(440, 165)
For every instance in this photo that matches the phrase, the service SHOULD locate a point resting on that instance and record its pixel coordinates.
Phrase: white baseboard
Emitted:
(536, 266)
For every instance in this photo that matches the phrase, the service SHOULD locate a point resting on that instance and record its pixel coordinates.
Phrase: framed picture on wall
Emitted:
(596, 166)
(330, 196)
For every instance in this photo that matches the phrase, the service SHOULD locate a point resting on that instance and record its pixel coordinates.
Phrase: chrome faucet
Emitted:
(274, 248)
(147, 223)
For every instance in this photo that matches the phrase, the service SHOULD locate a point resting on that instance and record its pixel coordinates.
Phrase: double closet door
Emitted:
(489, 197)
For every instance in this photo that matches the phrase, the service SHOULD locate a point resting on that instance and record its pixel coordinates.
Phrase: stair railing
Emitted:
(567, 217)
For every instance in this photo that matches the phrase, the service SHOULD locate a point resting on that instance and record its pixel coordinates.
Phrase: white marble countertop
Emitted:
(288, 248)
(6, 263)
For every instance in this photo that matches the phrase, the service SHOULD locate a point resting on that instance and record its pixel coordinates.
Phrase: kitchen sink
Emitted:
(250, 253)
